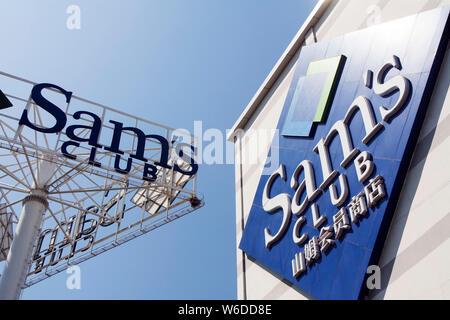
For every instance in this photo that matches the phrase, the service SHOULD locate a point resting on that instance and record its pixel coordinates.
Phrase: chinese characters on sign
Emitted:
(372, 194)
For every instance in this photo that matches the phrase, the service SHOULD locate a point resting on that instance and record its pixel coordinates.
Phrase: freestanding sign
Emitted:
(348, 129)
(85, 177)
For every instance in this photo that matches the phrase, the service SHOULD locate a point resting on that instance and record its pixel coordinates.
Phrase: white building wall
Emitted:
(415, 261)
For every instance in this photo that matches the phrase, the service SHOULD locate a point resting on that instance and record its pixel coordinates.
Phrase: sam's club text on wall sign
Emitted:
(348, 129)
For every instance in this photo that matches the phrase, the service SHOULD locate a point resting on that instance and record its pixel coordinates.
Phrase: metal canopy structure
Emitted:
(89, 205)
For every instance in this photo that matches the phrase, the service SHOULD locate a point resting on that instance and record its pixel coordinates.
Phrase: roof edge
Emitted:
(279, 67)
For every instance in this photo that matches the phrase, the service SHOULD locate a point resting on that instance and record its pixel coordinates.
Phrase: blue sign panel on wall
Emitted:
(348, 129)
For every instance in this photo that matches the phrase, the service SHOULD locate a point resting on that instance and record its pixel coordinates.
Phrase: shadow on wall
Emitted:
(282, 287)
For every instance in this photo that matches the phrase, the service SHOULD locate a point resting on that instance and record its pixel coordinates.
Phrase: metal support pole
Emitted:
(19, 255)
(27, 231)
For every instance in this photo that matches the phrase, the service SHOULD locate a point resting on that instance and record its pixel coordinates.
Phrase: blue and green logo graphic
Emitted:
(316, 88)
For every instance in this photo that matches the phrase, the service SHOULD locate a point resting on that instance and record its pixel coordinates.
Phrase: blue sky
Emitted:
(171, 62)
